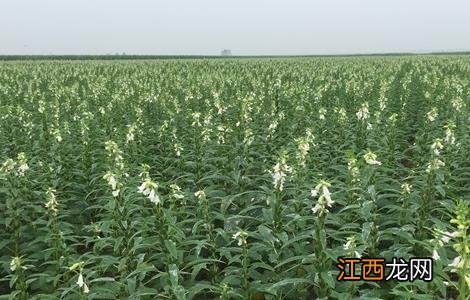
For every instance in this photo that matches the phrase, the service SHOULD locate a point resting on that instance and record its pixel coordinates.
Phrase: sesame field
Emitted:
(234, 178)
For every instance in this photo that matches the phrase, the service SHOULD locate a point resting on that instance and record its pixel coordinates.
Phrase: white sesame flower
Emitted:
(176, 191)
(56, 133)
(241, 237)
(41, 106)
(86, 290)
(177, 149)
(435, 255)
(196, 119)
(446, 236)
(314, 193)
(353, 169)
(303, 147)
(455, 264)
(327, 195)
(149, 188)
(363, 113)
(23, 164)
(371, 158)
(23, 168)
(272, 126)
(130, 133)
(80, 281)
(435, 164)
(115, 153)
(111, 179)
(317, 208)
(14, 263)
(51, 203)
(437, 146)
(450, 137)
(324, 198)
(432, 114)
(350, 245)
(279, 173)
(142, 188)
(341, 114)
(235, 236)
(116, 193)
(406, 188)
(154, 197)
(8, 165)
(200, 194)
(457, 104)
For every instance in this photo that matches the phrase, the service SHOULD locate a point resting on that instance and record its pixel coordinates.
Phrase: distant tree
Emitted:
(226, 52)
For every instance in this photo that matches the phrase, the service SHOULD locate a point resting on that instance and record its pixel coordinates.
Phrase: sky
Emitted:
(246, 27)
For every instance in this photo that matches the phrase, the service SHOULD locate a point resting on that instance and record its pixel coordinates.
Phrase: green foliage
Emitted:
(232, 179)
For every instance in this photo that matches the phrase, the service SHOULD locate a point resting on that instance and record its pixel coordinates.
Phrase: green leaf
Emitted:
(289, 281)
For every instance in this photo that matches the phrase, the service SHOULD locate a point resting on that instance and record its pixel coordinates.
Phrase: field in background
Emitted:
(232, 179)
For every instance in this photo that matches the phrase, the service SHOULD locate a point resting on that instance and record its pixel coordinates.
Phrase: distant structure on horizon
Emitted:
(226, 52)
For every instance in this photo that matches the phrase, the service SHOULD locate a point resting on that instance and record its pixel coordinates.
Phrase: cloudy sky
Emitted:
(247, 27)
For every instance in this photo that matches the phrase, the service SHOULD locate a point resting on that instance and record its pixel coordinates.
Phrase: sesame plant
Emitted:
(233, 178)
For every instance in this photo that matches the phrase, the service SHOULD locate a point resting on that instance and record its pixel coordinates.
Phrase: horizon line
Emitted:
(124, 55)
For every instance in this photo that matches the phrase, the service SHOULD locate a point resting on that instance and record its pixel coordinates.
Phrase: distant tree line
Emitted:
(147, 57)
